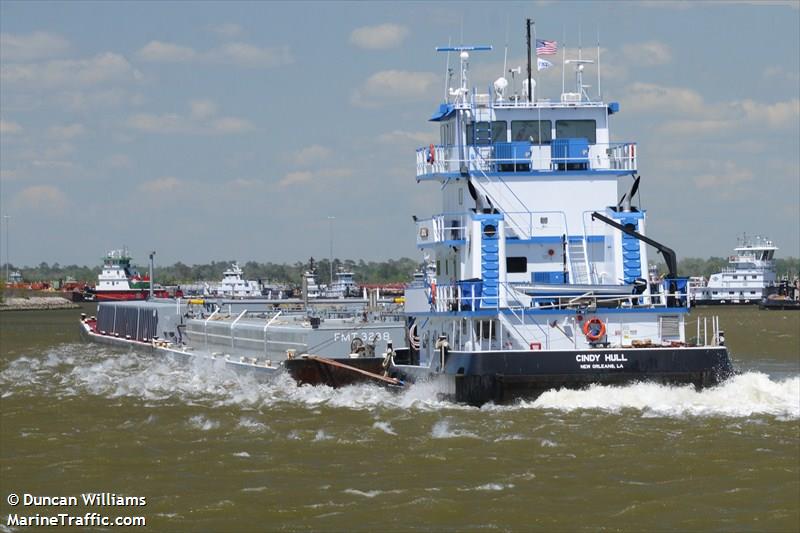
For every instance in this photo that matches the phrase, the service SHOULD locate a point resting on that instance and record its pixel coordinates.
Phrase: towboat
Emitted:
(541, 272)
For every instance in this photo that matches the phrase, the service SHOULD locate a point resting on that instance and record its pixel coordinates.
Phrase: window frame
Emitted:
(547, 132)
(592, 139)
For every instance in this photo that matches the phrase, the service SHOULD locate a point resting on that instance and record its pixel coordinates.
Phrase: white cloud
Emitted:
(296, 178)
(117, 161)
(103, 68)
(245, 183)
(318, 177)
(248, 55)
(37, 45)
(161, 52)
(649, 97)
(161, 185)
(166, 123)
(82, 100)
(398, 136)
(201, 109)
(66, 132)
(230, 125)
(8, 127)
(41, 198)
(729, 175)
(234, 53)
(311, 154)
(777, 115)
(780, 73)
(228, 30)
(395, 86)
(201, 120)
(49, 156)
(647, 54)
(379, 37)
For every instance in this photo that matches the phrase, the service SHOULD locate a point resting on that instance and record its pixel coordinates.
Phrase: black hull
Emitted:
(504, 376)
(312, 372)
(780, 305)
(725, 303)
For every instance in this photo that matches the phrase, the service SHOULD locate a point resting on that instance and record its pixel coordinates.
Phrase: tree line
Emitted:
(390, 271)
(369, 272)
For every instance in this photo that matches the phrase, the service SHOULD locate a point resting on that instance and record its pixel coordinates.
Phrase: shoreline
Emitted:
(37, 303)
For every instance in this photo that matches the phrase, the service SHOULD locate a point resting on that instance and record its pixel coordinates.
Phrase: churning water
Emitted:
(210, 449)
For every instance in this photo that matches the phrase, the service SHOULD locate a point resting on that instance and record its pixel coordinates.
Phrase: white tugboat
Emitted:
(540, 270)
(343, 286)
(744, 280)
(233, 285)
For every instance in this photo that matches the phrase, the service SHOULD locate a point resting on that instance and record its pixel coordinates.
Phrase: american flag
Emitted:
(546, 48)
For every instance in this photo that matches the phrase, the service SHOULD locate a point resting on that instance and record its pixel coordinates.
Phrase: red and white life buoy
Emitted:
(594, 329)
(431, 154)
(536, 346)
(433, 293)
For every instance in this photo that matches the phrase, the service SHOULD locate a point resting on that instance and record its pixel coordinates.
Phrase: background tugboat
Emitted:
(119, 281)
(744, 280)
(540, 270)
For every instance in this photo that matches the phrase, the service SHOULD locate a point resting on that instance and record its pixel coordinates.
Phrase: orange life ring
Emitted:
(431, 154)
(433, 293)
(536, 346)
(594, 335)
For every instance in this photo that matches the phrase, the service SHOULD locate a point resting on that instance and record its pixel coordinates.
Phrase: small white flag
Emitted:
(543, 64)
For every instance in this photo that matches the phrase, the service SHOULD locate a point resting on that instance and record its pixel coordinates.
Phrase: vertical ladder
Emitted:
(490, 264)
(482, 133)
(579, 265)
(631, 252)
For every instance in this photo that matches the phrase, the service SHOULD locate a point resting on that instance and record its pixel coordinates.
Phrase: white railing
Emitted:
(442, 228)
(467, 297)
(446, 159)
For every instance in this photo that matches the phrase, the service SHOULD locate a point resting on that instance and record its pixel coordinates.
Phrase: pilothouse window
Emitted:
(499, 131)
(486, 133)
(573, 129)
(534, 131)
(448, 134)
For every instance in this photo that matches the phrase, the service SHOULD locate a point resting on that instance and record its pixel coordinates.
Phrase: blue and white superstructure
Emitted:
(540, 267)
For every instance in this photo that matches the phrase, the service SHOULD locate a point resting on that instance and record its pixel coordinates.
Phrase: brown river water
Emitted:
(207, 450)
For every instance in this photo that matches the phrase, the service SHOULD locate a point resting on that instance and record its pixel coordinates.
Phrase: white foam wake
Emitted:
(751, 393)
(69, 370)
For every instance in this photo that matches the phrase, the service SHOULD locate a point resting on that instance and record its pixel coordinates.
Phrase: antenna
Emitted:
(464, 56)
(505, 55)
(599, 92)
(505, 59)
(563, 58)
(513, 71)
(447, 73)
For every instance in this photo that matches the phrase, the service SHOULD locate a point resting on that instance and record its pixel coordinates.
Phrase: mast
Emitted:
(152, 255)
(599, 92)
(528, 28)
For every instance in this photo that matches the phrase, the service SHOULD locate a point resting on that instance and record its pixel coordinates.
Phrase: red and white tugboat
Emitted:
(118, 280)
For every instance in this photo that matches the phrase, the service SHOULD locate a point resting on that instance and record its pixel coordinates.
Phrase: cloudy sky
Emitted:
(209, 130)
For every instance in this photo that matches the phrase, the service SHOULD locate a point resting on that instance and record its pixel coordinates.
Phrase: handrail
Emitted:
(267, 325)
(205, 324)
(449, 297)
(602, 156)
(233, 325)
